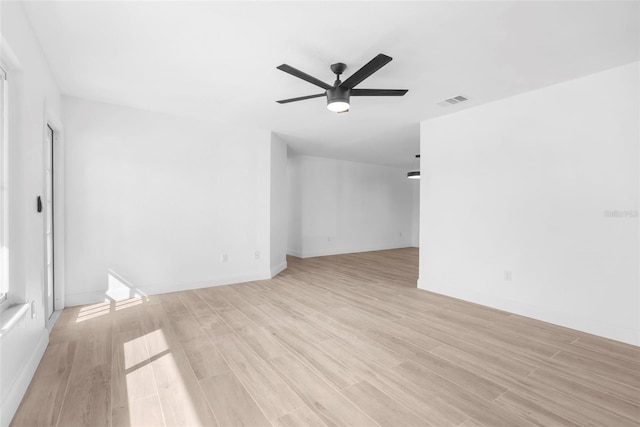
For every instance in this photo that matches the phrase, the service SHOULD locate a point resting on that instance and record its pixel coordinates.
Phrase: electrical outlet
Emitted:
(225, 257)
(257, 254)
(508, 276)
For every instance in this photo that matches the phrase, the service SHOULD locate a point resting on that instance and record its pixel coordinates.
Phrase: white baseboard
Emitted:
(122, 294)
(49, 324)
(294, 253)
(567, 320)
(23, 379)
(341, 251)
(277, 269)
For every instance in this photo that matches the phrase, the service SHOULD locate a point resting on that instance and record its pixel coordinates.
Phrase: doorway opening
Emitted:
(49, 290)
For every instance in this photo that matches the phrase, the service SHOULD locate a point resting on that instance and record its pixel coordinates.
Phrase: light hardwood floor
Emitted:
(341, 340)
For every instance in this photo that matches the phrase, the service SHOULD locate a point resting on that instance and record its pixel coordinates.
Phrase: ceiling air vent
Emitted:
(452, 101)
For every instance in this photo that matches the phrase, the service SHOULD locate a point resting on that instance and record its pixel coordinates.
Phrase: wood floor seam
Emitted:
(64, 397)
(164, 417)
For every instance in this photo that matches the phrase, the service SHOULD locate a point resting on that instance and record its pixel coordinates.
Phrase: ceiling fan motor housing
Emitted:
(338, 94)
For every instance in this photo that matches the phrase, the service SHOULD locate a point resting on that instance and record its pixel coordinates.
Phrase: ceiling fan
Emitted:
(338, 95)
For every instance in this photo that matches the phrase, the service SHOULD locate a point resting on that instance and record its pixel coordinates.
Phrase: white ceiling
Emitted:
(217, 60)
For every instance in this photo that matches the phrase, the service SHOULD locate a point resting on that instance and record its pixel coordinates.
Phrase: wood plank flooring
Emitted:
(341, 340)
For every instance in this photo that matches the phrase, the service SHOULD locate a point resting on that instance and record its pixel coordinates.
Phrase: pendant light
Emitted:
(415, 174)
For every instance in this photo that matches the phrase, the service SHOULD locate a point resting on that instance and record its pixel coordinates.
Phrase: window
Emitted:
(4, 193)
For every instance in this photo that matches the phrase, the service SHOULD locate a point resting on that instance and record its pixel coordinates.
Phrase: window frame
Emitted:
(4, 191)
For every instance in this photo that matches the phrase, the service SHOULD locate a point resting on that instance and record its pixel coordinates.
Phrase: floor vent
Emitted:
(452, 101)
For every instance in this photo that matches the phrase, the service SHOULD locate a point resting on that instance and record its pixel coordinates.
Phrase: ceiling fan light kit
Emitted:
(339, 95)
(338, 99)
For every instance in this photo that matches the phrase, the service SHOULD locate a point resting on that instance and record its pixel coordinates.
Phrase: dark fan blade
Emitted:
(378, 92)
(304, 76)
(284, 101)
(371, 67)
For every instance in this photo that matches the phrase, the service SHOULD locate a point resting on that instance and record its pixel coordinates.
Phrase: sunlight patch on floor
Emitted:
(129, 303)
(119, 289)
(93, 311)
(149, 360)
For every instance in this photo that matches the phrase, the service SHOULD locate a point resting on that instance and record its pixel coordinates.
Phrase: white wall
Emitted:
(338, 207)
(524, 185)
(294, 206)
(279, 194)
(154, 202)
(415, 213)
(32, 94)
